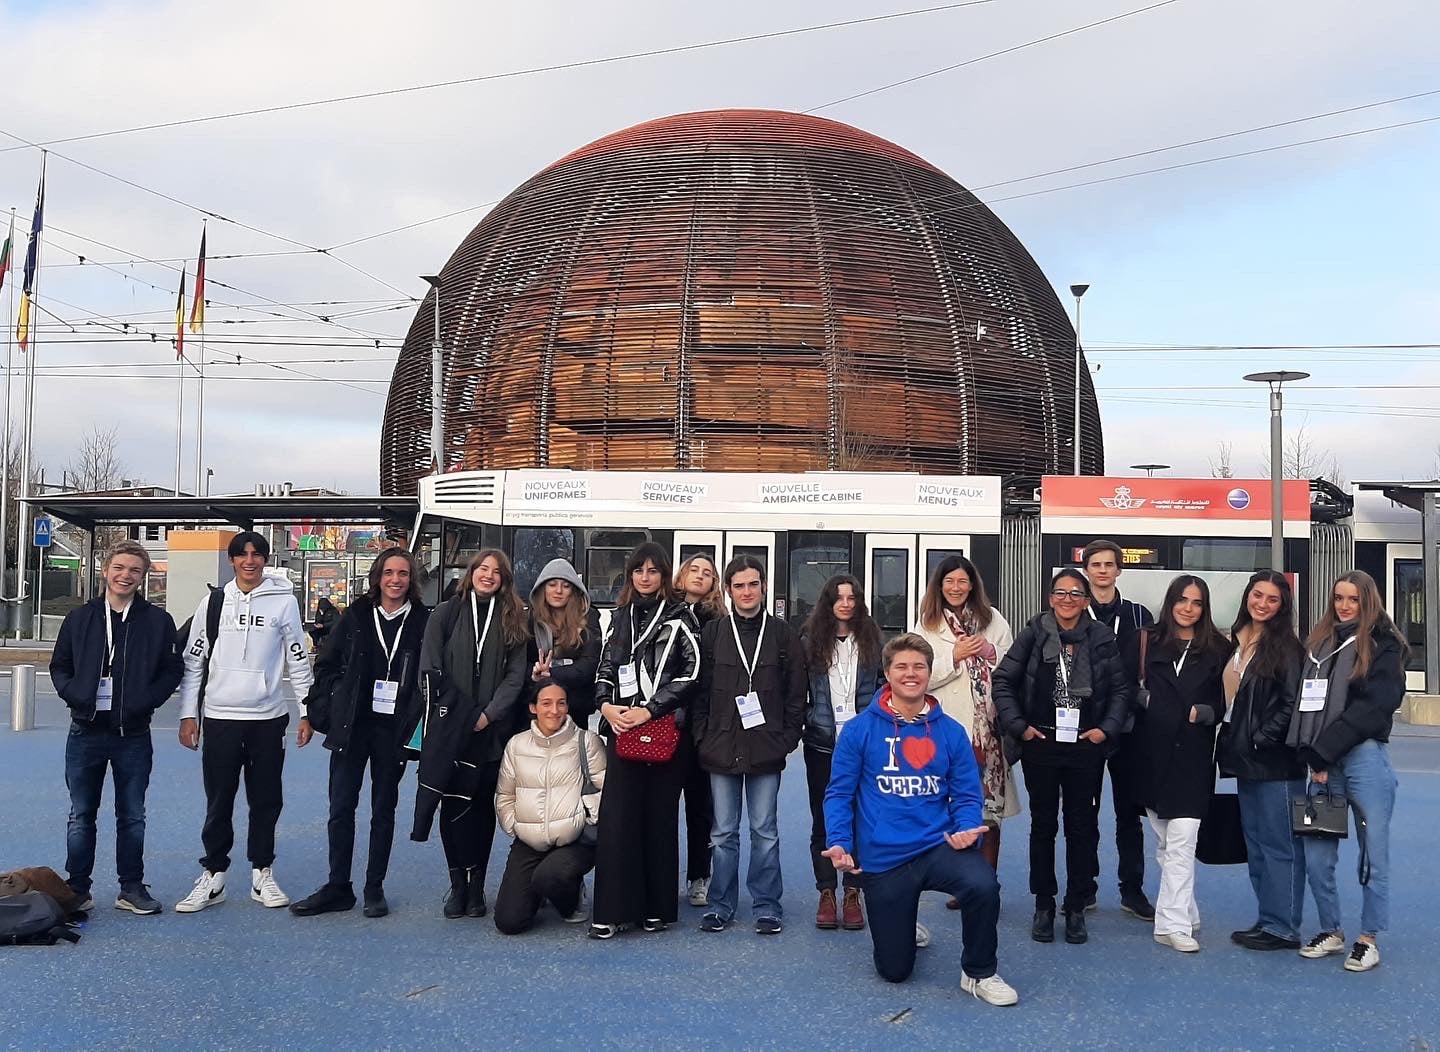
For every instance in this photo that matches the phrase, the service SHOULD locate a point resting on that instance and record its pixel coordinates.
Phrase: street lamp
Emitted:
(1077, 291)
(437, 426)
(1275, 379)
(1150, 469)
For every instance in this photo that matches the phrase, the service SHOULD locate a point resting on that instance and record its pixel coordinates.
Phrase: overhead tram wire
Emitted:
(678, 49)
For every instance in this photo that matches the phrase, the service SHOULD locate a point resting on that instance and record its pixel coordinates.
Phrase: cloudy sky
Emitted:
(1327, 248)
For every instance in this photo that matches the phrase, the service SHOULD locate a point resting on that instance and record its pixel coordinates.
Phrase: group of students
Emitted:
(908, 746)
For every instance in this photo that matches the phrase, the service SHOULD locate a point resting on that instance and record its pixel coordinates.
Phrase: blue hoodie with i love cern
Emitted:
(897, 788)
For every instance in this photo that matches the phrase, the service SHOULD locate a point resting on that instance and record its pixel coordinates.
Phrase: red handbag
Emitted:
(654, 741)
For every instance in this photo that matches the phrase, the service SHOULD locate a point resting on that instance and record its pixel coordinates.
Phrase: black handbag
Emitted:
(1320, 814)
(1222, 838)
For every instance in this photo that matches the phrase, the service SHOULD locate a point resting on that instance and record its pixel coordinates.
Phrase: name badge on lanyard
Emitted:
(628, 673)
(104, 694)
(105, 689)
(748, 703)
(387, 690)
(1067, 724)
(1314, 691)
(383, 699)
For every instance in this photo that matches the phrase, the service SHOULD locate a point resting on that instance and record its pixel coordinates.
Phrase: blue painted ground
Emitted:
(242, 976)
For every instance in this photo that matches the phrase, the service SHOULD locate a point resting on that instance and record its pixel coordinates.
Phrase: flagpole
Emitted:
(179, 415)
(5, 467)
(22, 546)
(200, 411)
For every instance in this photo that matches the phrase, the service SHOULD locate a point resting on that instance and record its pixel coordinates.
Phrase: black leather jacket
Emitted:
(668, 657)
(1252, 745)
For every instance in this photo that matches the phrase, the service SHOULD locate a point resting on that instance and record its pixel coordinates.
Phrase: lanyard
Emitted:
(844, 663)
(1320, 661)
(1115, 628)
(110, 634)
(475, 622)
(1064, 672)
(1183, 655)
(390, 650)
(759, 642)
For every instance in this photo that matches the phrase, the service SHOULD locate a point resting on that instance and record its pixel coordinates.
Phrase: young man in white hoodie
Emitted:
(260, 637)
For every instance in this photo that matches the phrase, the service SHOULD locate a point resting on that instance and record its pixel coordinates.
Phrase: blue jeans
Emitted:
(1366, 779)
(1276, 856)
(763, 880)
(129, 757)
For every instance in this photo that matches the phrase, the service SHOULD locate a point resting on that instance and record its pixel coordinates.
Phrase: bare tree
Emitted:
(96, 465)
(15, 452)
(1304, 458)
(1221, 463)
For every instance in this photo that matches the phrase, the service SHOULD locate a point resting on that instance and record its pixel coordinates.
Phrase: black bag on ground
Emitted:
(1320, 814)
(33, 918)
(1222, 838)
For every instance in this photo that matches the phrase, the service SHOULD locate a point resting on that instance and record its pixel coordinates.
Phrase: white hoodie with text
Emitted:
(260, 636)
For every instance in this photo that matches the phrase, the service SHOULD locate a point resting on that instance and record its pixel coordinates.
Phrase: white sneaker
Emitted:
(209, 889)
(700, 892)
(1176, 941)
(264, 890)
(1323, 945)
(993, 990)
(922, 937)
(582, 908)
(1363, 956)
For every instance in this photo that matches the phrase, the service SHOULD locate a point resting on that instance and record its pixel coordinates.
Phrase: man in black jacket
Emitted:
(747, 717)
(115, 663)
(1101, 560)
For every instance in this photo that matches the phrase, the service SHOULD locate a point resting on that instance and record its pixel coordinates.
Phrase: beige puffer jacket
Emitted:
(538, 796)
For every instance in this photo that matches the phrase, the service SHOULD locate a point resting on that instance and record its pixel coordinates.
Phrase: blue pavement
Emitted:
(241, 976)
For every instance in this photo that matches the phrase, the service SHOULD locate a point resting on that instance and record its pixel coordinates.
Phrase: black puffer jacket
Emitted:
(1024, 685)
(1252, 744)
(667, 654)
(723, 744)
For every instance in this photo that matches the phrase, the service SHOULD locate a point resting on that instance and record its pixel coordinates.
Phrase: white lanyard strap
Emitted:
(1320, 661)
(110, 634)
(1115, 627)
(1064, 673)
(635, 640)
(1183, 655)
(755, 657)
(480, 634)
(390, 650)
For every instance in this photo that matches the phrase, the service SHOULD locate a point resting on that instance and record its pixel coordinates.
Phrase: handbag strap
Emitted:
(1362, 830)
(1144, 650)
(587, 787)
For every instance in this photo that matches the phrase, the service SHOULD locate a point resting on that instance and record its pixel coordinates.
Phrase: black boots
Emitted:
(475, 894)
(455, 901)
(1075, 928)
(1042, 928)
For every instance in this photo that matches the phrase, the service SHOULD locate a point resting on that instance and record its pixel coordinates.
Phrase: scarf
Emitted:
(1051, 638)
(1336, 667)
(989, 753)
(476, 680)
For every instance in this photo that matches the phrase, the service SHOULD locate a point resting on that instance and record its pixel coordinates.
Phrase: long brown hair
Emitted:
(819, 628)
(714, 600)
(933, 603)
(651, 552)
(377, 570)
(567, 624)
(1373, 619)
(1165, 631)
(1277, 645)
(512, 611)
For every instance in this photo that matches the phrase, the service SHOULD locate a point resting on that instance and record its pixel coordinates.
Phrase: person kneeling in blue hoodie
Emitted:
(904, 797)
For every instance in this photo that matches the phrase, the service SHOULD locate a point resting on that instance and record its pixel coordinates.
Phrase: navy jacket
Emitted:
(151, 663)
(820, 714)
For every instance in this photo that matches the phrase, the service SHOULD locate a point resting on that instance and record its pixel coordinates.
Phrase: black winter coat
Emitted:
(348, 664)
(1370, 706)
(1252, 745)
(1128, 623)
(572, 668)
(668, 655)
(1176, 758)
(1023, 686)
(151, 662)
(723, 745)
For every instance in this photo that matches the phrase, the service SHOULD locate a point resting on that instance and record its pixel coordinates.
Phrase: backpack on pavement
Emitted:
(33, 918)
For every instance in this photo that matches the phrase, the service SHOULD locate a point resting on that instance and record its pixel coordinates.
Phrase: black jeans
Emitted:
(467, 827)
(1071, 773)
(534, 877)
(255, 748)
(699, 816)
(892, 900)
(1129, 831)
(817, 779)
(129, 757)
(372, 744)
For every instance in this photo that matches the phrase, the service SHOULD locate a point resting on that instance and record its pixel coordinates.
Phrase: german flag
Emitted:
(197, 305)
(180, 318)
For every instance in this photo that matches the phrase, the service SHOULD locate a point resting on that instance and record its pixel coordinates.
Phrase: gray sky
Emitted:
(1323, 244)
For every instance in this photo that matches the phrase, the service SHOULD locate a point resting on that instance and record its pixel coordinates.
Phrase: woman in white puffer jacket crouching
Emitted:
(548, 799)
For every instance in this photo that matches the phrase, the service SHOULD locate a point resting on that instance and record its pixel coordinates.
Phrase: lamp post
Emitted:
(1077, 291)
(437, 426)
(1275, 380)
(209, 474)
(1150, 469)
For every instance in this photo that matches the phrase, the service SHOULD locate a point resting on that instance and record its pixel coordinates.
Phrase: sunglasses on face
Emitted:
(1072, 593)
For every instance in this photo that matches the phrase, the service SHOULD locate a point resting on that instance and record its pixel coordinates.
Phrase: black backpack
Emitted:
(33, 918)
(213, 606)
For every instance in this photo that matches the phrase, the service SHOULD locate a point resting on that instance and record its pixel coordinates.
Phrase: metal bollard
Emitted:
(22, 698)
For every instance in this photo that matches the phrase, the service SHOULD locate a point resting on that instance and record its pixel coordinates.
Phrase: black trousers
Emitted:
(817, 779)
(533, 878)
(256, 749)
(699, 816)
(372, 744)
(1129, 831)
(1067, 776)
(467, 827)
(637, 860)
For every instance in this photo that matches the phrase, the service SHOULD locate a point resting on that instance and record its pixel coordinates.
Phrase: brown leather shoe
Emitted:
(852, 916)
(825, 916)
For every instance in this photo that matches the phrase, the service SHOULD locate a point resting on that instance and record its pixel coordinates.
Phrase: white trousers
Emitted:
(1175, 909)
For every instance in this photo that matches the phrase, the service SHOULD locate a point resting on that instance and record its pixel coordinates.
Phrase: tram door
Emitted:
(890, 581)
(699, 542)
(1406, 602)
(760, 545)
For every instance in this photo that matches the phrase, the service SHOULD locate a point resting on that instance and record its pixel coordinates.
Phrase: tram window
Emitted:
(687, 551)
(889, 572)
(1409, 606)
(534, 547)
(461, 543)
(1226, 553)
(935, 556)
(814, 559)
(605, 555)
(759, 551)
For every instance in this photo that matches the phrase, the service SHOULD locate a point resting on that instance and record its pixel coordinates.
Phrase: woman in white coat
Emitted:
(970, 638)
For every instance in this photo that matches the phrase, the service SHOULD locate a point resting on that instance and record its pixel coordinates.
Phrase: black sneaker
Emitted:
(329, 898)
(1075, 928)
(769, 926)
(1264, 940)
(375, 904)
(1042, 928)
(137, 899)
(1237, 936)
(713, 922)
(1091, 905)
(1137, 905)
(653, 924)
